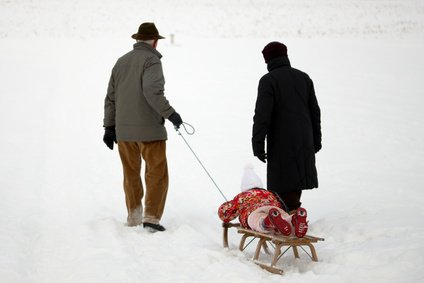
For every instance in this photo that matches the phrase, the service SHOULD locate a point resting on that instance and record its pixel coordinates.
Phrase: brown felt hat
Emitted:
(147, 31)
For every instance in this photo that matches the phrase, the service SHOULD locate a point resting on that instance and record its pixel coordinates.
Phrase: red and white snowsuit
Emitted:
(243, 204)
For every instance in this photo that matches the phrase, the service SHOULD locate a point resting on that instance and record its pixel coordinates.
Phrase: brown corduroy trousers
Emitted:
(156, 177)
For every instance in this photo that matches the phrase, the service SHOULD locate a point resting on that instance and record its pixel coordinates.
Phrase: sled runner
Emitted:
(276, 241)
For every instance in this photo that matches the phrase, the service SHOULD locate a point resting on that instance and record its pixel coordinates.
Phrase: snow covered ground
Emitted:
(62, 210)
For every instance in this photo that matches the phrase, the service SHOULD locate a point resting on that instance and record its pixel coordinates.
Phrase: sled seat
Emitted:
(276, 241)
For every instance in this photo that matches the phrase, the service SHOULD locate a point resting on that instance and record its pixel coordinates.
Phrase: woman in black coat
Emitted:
(287, 115)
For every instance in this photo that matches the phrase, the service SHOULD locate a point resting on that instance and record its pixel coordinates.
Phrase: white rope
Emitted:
(200, 162)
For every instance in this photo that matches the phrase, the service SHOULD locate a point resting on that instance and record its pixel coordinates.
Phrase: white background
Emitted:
(62, 208)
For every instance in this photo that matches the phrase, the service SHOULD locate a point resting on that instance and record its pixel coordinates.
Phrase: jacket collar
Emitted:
(278, 62)
(144, 46)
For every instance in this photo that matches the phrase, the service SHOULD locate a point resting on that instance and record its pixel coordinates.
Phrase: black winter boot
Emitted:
(154, 227)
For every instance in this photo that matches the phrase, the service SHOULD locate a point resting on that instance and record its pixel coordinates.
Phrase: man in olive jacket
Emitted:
(287, 115)
(135, 112)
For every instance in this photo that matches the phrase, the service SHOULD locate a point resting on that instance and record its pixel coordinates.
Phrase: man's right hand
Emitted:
(175, 119)
(110, 137)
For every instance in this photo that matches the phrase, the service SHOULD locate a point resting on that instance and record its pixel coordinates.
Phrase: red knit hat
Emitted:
(273, 50)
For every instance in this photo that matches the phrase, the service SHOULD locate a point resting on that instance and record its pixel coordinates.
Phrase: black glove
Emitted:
(261, 157)
(175, 119)
(110, 137)
(317, 147)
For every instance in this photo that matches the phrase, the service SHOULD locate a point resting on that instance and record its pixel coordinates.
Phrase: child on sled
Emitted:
(262, 210)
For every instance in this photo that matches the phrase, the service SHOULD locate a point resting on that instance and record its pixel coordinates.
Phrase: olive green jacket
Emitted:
(135, 102)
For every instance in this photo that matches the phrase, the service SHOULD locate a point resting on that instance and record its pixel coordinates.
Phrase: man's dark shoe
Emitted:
(154, 227)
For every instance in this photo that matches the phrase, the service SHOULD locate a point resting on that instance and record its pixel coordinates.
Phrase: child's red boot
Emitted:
(274, 216)
(299, 222)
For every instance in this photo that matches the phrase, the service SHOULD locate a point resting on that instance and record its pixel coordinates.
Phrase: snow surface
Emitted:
(62, 209)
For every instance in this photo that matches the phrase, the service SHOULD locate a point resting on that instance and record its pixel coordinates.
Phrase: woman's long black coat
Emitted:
(287, 115)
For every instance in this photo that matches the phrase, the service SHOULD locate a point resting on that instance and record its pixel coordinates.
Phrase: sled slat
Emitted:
(277, 241)
(269, 268)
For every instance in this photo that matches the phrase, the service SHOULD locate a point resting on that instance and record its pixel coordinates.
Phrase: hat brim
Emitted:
(146, 37)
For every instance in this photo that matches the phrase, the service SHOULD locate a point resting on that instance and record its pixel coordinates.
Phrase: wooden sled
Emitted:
(276, 241)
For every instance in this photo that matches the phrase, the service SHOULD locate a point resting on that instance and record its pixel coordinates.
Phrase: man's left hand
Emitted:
(110, 137)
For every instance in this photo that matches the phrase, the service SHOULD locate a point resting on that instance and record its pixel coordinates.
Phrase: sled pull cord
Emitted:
(200, 162)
